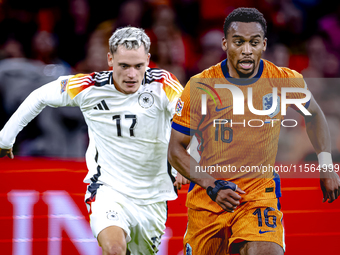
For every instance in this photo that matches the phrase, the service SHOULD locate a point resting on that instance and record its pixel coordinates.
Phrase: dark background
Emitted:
(41, 40)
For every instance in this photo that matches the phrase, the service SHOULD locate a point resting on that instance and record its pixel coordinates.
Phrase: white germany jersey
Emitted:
(129, 133)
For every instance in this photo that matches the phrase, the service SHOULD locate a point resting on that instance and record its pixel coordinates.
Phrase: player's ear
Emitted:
(264, 44)
(224, 44)
(148, 60)
(110, 59)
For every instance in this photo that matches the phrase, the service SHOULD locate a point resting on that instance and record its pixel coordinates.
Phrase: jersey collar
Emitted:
(111, 78)
(242, 81)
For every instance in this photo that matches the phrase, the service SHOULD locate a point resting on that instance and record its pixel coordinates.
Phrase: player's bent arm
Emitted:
(181, 160)
(318, 133)
(317, 128)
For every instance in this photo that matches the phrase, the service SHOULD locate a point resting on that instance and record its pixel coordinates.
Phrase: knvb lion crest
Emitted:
(179, 107)
(267, 102)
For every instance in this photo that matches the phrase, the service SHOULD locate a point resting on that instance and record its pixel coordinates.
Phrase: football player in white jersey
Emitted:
(128, 112)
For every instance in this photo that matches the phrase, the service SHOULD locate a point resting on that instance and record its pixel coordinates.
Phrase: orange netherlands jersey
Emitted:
(236, 144)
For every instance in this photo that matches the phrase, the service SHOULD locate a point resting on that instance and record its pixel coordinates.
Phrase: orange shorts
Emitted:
(210, 233)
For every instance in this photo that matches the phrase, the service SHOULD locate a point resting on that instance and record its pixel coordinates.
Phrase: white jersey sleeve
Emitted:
(65, 91)
(50, 94)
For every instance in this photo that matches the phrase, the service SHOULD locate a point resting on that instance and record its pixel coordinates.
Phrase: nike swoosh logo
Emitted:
(220, 109)
(262, 232)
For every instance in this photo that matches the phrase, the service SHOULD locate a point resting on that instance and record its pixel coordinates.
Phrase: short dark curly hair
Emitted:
(245, 15)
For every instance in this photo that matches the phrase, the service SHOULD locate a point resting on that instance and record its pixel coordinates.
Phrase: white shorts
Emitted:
(144, 225)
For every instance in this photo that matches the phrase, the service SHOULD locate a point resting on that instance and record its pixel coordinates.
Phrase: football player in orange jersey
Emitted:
(237, 215)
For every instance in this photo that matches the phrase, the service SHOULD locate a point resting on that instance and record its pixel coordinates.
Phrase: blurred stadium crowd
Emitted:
(41, 40)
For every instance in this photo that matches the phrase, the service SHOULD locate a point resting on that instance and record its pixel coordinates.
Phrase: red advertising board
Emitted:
(42, 212)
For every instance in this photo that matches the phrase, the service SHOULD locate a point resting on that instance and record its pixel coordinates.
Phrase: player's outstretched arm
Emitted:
(49, 94)
(6, 152)
(28, 110)
(181, 160)
(318, 133)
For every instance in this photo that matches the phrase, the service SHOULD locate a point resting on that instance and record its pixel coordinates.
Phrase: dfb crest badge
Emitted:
(146, 100)
(112, 215)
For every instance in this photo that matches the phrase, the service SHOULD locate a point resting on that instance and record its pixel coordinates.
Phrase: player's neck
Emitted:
(117, 87)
